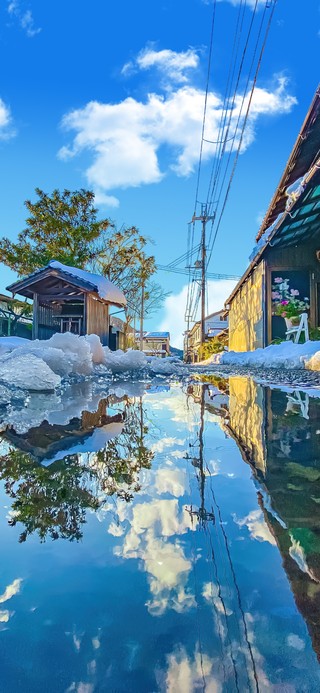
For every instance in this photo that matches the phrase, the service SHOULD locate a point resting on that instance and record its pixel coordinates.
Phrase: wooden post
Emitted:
(35, 330)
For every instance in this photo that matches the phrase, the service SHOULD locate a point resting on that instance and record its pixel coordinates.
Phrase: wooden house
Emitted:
(288, 248)
(67, 299)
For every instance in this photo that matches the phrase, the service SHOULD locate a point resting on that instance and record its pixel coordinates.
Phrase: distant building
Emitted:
(285, 263)
(120, 336)
(216, 325)
(68, 299)
(12, 320)
(155, 343)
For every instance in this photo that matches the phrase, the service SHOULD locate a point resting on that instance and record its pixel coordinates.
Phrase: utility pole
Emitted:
(142, 314)
(202, 514)
(204, 218)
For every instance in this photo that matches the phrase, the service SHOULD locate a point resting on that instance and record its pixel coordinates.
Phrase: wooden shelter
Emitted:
(288, 247)
(67, 299)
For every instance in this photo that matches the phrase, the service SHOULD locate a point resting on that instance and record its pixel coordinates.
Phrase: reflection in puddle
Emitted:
(184, 568)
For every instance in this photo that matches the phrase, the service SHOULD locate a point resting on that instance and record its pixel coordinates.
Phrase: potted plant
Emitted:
(286, 302)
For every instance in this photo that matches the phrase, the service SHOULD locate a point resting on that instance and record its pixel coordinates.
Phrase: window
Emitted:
(71, 325)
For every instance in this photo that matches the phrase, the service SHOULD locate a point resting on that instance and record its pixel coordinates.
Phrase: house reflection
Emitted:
(278, 435)
(54, 473)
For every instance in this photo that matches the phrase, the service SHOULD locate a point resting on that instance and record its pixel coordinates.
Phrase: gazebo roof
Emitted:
(87, 281)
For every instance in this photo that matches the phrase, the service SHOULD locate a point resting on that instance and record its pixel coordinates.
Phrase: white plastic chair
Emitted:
(296, 330)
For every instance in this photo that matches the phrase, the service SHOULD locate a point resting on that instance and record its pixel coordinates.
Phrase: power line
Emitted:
(210, 275)
(223, 136)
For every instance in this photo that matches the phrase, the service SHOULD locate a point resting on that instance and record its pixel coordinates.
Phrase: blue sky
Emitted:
(109, 95)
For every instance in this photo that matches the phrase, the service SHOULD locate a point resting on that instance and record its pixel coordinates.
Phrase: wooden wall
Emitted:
(246, 316)
(97, 318)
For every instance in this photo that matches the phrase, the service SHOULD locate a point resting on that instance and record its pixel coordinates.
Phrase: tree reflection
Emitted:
(119, 463)
(52, 501)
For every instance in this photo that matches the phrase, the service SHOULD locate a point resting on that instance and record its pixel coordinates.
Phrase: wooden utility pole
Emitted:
(204, 218)
(142, 315)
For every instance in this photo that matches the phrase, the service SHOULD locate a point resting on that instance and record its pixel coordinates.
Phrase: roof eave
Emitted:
(290, 164)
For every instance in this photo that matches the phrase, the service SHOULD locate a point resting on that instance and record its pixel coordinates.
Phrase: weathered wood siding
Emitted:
(47, 322)
(97, 318)
(246, 316)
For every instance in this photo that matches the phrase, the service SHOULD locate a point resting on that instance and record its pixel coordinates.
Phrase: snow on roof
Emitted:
(156, 335)
(103, 286)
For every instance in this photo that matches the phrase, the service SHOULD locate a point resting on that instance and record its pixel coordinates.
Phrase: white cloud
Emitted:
(152, 525)
(173, 481)
(166, 442)
(24, 18)
(175, 305)
(125, 139)
(257, 526)
(6, 130)
(171, 64)
(11, 590)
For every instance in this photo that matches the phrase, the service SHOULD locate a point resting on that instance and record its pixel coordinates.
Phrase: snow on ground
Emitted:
(41, 364)
(285, 355)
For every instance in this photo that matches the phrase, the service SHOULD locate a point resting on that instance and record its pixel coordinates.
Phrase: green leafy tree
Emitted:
(125, 262)
(62, 226)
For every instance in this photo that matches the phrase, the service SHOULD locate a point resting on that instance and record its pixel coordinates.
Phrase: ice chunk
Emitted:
(27, 372)
(167, 366)
(76, 349)
(124, 361)
(98, 355)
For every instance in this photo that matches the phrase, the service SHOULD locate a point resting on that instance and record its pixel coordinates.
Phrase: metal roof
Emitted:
(304, 153)
(156, 335)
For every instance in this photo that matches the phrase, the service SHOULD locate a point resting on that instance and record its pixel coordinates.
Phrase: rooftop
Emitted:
(105, 289)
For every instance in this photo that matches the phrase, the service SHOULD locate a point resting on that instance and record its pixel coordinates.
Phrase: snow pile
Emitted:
(123, 361)
(27, 372)
(40, 364)
(285, 355)
(171, 365)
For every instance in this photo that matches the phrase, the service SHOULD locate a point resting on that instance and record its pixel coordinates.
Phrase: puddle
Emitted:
(158, 537)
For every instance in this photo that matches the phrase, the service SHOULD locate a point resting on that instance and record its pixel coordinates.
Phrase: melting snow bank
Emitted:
(41, 364)
(285, 355)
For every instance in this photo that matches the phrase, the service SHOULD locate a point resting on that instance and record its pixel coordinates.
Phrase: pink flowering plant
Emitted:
(286, 302)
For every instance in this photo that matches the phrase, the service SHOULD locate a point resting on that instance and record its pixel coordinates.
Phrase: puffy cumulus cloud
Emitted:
(186, 674)
(166, 442)
(257, 526)
(6, 130)
(175, 406)
(126, 139)
(175, 306)
(152, 525)
(171, 64)
(11, 590)
(24, 17)
(173, 481)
